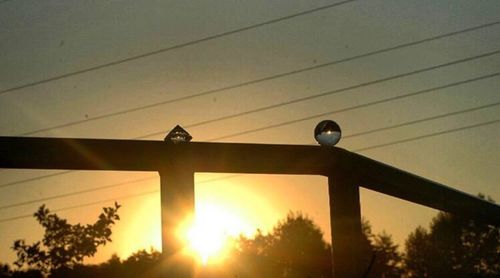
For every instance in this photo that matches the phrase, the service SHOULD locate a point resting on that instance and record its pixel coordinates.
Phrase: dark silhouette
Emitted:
(64, 245)
(453, 247)
(140, 264)
(294, 248)
(381, 257)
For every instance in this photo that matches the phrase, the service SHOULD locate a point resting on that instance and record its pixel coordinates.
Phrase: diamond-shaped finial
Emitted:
(178, 135)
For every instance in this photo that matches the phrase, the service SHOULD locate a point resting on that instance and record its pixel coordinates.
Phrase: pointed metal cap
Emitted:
(178, 135)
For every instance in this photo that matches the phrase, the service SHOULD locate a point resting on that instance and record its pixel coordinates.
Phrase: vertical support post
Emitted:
(177, 204)
(345, 223)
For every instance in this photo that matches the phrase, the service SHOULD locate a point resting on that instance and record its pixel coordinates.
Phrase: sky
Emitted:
(270, 83)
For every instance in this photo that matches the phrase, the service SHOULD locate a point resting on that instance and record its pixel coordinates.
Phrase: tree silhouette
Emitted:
(453, 247)
(296, 248)
(64, 245)
(293, 248)
(380, 255)
(388, 260)
(139, 264)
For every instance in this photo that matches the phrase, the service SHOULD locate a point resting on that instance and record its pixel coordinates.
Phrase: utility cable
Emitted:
(304, 99)
(74, 193)
(328, 93)
(427, 135)
(83, 205)
(357, 150)
(174, 47)
(259, 80)
(364, 105)
(427, 119)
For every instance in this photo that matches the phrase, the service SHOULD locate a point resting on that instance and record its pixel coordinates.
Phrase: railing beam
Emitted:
(177, 206)
(345, 222)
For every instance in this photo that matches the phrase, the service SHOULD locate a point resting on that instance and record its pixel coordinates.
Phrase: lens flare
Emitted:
(208, 236)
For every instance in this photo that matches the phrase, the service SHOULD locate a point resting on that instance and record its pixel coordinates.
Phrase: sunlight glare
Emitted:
(209, 236)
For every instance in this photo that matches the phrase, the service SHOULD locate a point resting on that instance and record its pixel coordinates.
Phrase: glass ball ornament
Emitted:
(327, 133)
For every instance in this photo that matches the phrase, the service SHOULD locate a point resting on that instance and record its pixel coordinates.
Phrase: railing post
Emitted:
(177, 204)
(345, 222)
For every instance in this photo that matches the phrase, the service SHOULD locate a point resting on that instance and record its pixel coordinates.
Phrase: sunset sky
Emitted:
(298, 62)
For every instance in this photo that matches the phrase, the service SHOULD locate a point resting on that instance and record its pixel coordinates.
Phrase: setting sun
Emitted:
(209, 235)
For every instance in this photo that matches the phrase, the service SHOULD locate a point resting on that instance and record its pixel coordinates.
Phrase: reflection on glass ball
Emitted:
(327, 133)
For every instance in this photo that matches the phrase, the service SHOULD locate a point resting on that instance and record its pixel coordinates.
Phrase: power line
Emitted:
(35, 178)
(427, 136)
(353, 107)
(440, 116)
(177, 46)
(357, 150)
(277, 105)
(309, 98)
(259, 80)
(74, 193)
(83, 205)
(421, 120)
(328, 93)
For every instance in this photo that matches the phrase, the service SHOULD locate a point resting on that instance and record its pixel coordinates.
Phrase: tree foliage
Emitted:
(380, 255)
(140, 264)
(64, 245)
(453, 247)
(296, 248)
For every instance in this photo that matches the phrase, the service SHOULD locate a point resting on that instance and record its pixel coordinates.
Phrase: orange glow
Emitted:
(208, 236)
(224, 210)
(143, 230)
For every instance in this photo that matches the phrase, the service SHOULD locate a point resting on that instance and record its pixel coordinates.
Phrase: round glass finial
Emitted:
(327, 133)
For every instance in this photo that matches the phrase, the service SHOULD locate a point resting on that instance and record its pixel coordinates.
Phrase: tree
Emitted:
(139, 264)
(453, 247)
(381, 257)
(298, 245)
(388, 260)
(64, 245)
(296, 248)
(5, 270)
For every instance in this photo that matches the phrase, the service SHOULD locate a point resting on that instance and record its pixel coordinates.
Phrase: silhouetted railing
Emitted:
(177, 163)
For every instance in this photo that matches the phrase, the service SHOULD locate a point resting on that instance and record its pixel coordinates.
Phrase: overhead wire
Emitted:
(177, 46)
(350, 108)
(74, 193)
(428, 135)
(416, 138)
(84, 205)
(366, 132)
(422, 120)
(259, 80)
(294, 72)
(453, 113)
(408, 123)
(310, 97)
(330, 92)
